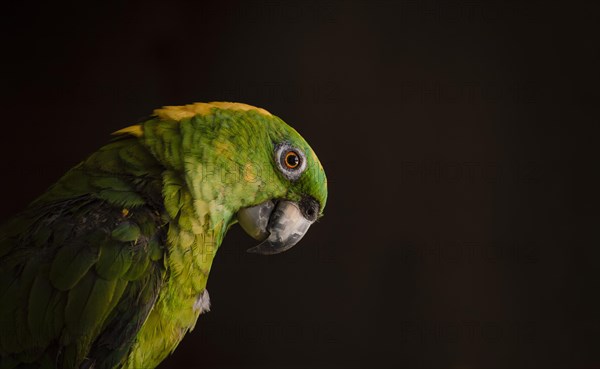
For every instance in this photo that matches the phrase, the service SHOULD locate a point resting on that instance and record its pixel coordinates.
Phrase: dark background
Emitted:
(459, 139)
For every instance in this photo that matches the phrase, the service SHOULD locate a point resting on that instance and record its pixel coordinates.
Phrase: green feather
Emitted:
(40, 238)
(62, 232)
(7, 278)
(8, 308)
(114, 261)
(156, 250)
(96, 307)
(54, 316)
(6, 245)
(121, 198)
(111, 182)
(137, 268)
(9, 297)
(126, 232)
(76, 182)
(138, 160)
(39, 298)
(23, 337)
(35, 267)
(70, 264)
(76, 303)
(120, 286)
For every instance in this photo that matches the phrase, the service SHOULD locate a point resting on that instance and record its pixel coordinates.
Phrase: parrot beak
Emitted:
(280, 225)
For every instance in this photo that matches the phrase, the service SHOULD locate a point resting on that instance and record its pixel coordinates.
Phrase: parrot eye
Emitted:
(290, 161)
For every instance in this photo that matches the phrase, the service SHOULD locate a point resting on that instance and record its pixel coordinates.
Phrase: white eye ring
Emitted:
(290, 161)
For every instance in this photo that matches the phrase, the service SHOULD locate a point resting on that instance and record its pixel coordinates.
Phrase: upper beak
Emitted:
(280, 224)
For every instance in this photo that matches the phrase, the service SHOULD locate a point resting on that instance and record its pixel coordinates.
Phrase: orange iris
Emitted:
(292, 160)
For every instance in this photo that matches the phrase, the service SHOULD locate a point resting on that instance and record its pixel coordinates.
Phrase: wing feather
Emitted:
(78, 282)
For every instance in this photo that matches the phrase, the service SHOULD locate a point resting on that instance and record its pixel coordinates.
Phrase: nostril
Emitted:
(309, 208)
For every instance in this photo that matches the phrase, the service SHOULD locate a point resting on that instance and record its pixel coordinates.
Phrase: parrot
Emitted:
(108, 268)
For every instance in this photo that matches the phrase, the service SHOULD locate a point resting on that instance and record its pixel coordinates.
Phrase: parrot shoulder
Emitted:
(78, 279)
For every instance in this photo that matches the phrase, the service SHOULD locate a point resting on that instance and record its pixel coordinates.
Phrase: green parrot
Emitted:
(108, 268)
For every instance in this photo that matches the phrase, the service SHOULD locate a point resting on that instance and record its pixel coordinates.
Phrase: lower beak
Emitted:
(280, 225)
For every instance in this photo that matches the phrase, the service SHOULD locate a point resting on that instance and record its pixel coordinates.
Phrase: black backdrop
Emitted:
(459, 142)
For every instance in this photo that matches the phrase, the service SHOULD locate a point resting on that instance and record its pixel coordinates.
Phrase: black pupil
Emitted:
(292, 160)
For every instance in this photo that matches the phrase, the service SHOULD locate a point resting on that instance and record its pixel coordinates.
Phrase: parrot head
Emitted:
(245, 165)
(295, 202)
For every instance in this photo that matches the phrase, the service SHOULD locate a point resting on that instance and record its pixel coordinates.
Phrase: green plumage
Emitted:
(108, 268)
